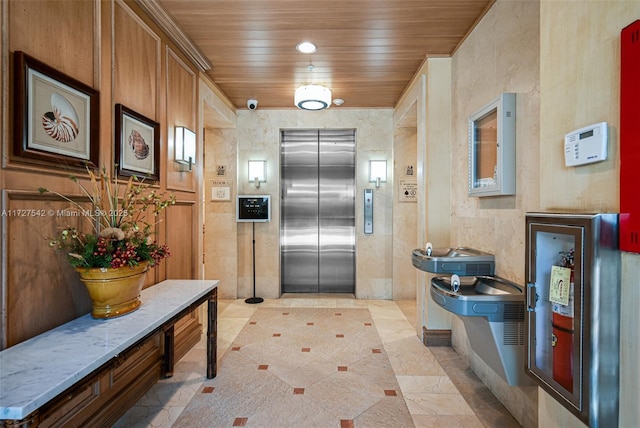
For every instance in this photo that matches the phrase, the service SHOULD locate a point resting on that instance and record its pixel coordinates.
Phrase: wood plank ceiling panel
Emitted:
(368, 50)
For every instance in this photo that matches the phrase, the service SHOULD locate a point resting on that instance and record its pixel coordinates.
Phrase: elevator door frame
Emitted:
(334, 232)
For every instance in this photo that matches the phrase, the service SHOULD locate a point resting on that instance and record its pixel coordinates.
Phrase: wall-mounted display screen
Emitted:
(253, 208)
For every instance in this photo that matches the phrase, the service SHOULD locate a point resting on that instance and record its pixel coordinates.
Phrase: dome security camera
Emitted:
(252, 104)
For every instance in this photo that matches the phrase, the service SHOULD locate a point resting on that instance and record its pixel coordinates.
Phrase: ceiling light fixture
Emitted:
(306, 47)
(312, 97)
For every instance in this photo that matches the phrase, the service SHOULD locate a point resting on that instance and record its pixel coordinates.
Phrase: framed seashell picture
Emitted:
(137, 144)
(56, 117)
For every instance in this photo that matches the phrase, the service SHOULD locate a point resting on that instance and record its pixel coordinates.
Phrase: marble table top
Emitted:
(37, 370)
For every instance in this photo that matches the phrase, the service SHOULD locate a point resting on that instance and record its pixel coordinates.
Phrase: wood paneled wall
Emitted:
(181, 96)
(181, 240)
(112, 46)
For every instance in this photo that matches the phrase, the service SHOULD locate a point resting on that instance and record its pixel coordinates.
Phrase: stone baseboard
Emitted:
(436, 337)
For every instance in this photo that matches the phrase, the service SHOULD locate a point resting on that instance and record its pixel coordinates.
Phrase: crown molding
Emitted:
(165, 21)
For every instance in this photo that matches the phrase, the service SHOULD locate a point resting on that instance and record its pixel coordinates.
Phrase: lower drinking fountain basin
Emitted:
(492, 310)
(476, 295)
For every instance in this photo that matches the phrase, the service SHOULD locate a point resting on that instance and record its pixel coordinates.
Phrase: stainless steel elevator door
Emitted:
(317, 226)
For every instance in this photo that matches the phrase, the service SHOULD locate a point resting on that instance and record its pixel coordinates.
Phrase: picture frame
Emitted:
(56, 117)
(137, 140)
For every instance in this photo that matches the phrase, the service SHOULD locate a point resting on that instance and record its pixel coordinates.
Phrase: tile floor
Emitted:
(431, 394)
(302, 367)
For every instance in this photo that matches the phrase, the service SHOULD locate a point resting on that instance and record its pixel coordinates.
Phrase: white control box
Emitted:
(586, 145)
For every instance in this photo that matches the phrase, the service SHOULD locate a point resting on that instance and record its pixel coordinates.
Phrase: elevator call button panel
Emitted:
(368, 211)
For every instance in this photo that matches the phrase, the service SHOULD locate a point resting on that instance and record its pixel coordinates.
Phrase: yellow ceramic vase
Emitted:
(114, 292)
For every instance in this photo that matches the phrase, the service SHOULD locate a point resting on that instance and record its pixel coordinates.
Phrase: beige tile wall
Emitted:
(577, 44)
(500, 55)
(579, 86)
(437, 174)
(404, 214)
(219, 244)
(221, 235)
(259, 138)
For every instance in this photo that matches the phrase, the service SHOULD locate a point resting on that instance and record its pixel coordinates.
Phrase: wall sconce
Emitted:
(185, 146)
(257, 172)
(378, 172)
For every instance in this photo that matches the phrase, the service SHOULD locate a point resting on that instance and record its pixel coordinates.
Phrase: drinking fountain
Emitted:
(491, 308)
(459, 260)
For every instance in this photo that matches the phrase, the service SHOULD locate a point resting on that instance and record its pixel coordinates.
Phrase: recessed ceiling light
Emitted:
(306, 47)
(338, 101)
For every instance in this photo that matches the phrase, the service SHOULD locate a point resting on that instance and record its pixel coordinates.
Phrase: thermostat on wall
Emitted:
(586, 145)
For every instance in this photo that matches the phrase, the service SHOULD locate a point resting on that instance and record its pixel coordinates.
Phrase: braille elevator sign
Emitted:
(221, 190)
(408, 191)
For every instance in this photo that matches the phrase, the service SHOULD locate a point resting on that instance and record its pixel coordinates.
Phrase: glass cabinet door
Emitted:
(555, 309)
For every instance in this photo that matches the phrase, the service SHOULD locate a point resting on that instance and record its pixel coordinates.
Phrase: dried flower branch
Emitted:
(121, 235)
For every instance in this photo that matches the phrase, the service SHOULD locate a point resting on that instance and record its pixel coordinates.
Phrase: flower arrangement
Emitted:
(121, 235)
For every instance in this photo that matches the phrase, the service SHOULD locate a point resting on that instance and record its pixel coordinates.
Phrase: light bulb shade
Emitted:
(378, 171)
(185, 145)
(257, 172)
(312, 97)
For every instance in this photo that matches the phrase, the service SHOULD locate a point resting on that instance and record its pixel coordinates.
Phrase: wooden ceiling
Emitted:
(368, 50)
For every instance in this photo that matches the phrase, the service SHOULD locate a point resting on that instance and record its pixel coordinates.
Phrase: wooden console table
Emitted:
(90, 371)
